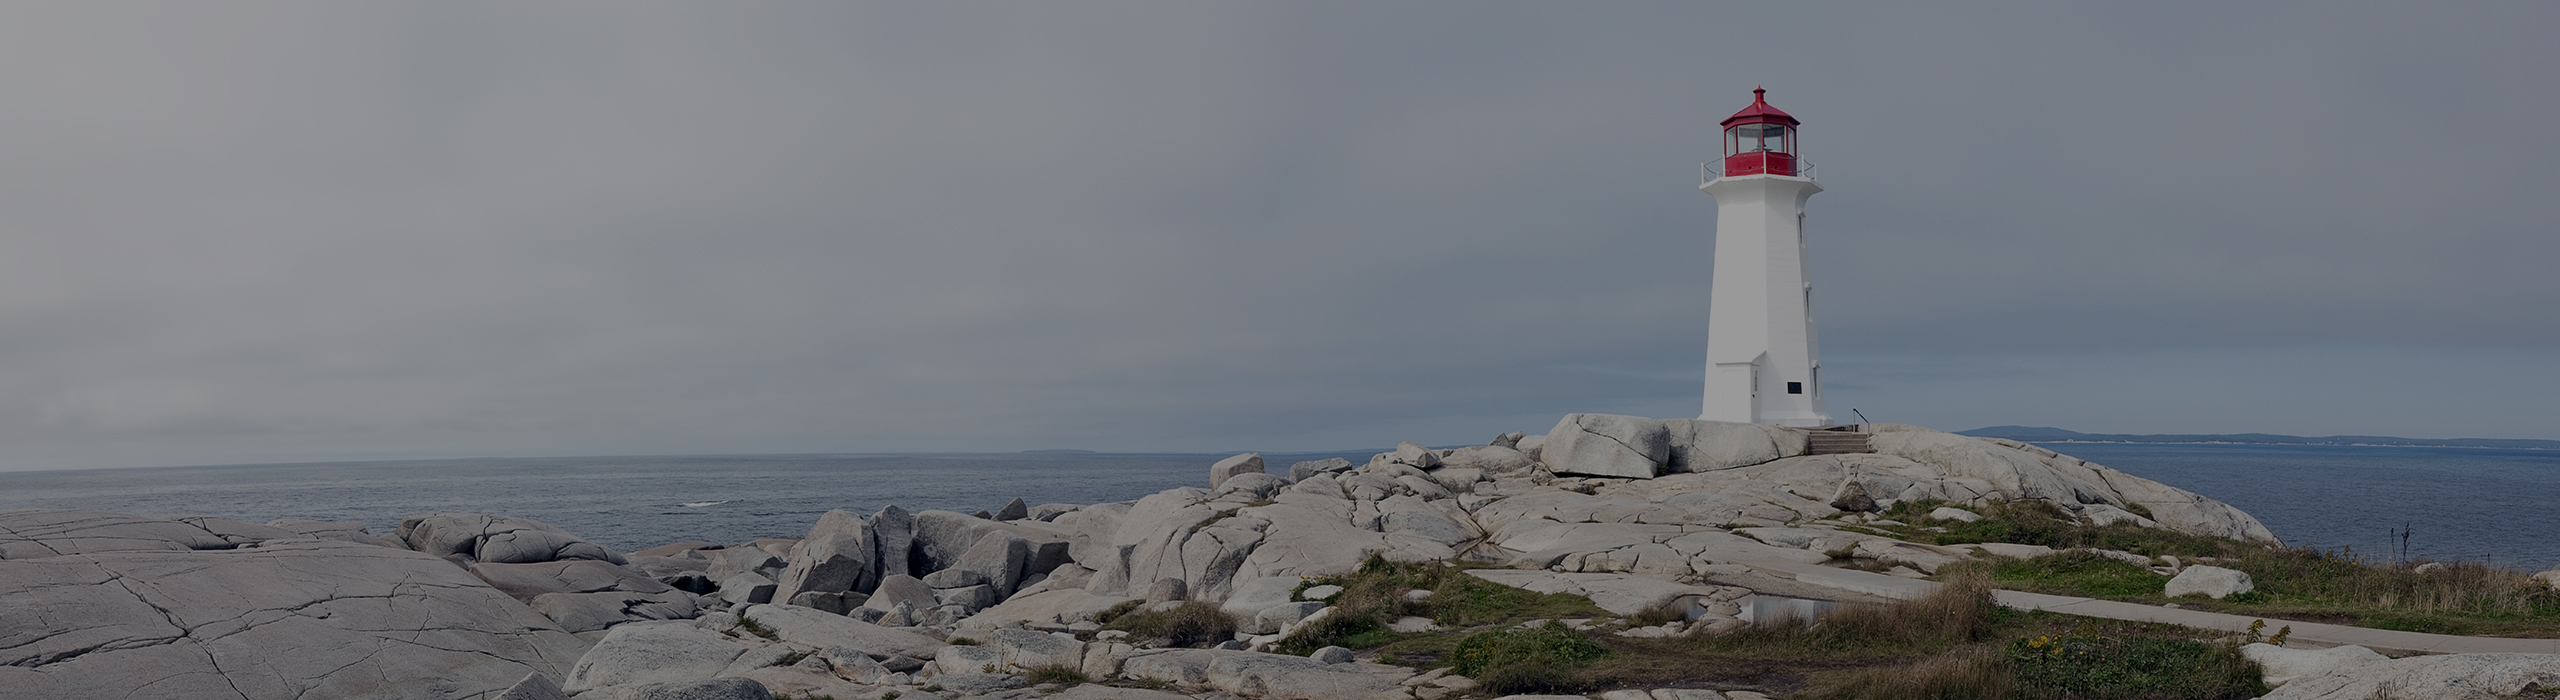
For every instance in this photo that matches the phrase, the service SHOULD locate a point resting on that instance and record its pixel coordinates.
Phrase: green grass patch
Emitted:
(1538, 659)
(2309, 584)
(1376, 595)
(2089, 664)
(2079, 573)
(2041, 523)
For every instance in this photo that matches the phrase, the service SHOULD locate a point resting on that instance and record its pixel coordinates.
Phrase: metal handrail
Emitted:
(1708, 172)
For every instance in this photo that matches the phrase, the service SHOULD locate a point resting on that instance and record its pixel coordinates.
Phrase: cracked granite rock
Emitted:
(101, 611)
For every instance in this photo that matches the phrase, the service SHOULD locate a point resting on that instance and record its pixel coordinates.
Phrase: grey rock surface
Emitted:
(1599, 444)
(2445, 677)
(28, 534)
(503, 539)
(1330, 465)
(955, 578)
(1014, 510)
(1001, 557)
(834, 558)
(967, 658)
(703, 689)
(2212, 581)
(1164, 589)
(1705, 445)
(653, 652)
(1271, 619)
(943, 536)
(900, 588)
(1022, 650)
(2278, 665)
(893, 533)
(590, 612)
(819, 630)
(1247, 463)
(1492, 460)
(725, 563)
(524, 581)
(290, 618)
(343, 531)
(535, 686)
(747, 589)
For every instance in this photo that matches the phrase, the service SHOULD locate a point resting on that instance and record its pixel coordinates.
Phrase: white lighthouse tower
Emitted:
(1761, 365)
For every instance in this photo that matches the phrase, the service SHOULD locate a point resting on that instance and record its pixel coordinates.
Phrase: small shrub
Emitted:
(2087, 664)
(1056, 673)
(1959, 612)
(1192, 624)
(749, 625)
(1551, 647)
(1114, 612)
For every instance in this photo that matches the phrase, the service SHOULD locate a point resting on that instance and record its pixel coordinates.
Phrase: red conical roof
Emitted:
(1759, 112)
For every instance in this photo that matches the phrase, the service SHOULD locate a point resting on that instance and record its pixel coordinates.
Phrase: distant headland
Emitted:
(2024, 433)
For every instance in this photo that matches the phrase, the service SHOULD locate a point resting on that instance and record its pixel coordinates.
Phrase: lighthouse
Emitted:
(1761, 364)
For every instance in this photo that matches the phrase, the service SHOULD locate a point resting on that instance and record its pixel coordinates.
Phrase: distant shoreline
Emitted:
(2272, 444)
(2034, 434)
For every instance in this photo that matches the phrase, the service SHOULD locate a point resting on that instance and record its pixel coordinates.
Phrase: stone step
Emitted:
(1830, 442)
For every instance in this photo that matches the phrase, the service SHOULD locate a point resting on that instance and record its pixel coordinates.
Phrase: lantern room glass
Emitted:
(1752, 138)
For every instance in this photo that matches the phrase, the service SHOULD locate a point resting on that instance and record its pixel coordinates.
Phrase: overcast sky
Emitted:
(242, 232)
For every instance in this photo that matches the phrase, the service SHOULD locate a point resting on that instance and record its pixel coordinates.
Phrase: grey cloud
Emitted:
(252, 232)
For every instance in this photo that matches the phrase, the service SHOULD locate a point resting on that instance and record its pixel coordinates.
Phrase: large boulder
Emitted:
(943, 536)
(1000, 558)
(2213, 581)
(1491, 460)
(497, 538)
(1706, 445)
(893, 535)
(2279, 665)
(2448, 676)
(1330, 465)
(1247, 463)
(1599, 444)
(288, 618)
(1026, 649)
(834, 558)
(524, 581)
(900, 588)
(653, 652)
(818, 629)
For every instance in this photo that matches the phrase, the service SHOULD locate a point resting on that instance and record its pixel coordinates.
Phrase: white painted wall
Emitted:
(1760, 320)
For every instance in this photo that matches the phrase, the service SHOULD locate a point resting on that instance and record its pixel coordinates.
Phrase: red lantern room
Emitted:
(1759, 140)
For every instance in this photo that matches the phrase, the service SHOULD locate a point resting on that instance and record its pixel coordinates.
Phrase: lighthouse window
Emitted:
(1795, 387)
(1750, 138)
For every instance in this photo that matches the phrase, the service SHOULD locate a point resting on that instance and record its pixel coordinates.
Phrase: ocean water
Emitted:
(626, 503)
(2462, 504)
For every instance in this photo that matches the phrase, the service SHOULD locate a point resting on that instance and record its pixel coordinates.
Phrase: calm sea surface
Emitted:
(2471, 504)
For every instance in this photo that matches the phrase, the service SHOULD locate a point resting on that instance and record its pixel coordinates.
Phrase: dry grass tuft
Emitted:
(1192, 624)
(1958, 613)
(1969, 674)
